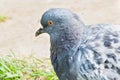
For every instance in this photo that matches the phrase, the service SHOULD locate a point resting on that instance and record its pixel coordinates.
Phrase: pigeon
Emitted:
(79, 51)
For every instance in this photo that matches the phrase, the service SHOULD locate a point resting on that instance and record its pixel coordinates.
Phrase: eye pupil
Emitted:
(50, 23)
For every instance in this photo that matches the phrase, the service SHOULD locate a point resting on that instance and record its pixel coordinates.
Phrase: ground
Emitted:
(18, 32)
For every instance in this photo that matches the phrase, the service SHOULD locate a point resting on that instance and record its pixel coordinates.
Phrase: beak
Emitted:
(39, 31)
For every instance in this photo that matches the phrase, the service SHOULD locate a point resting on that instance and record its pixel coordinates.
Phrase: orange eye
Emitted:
(50, 23)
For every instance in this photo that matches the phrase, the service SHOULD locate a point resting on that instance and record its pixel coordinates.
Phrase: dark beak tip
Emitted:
(36, 35)
(38, 32)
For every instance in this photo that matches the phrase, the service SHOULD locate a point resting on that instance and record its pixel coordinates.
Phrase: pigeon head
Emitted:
(62, 25)
(56, 20)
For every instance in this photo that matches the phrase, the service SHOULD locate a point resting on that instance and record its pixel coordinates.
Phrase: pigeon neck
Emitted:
(67, 40)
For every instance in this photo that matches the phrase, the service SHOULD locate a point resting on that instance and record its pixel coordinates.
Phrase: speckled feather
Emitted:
(82, 52)
(99, 53)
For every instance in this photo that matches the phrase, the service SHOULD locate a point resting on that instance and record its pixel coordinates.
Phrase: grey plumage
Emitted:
(79, 51)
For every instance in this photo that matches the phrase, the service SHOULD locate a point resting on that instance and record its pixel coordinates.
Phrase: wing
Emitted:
(99, 53)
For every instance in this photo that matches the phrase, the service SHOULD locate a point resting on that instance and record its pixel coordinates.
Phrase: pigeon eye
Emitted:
(50, 23)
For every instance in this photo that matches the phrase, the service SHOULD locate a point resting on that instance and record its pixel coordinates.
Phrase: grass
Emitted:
(25, 68)
(3, 18)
